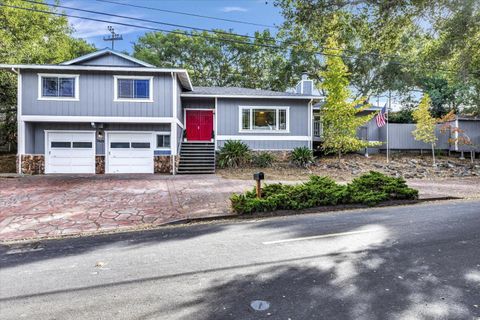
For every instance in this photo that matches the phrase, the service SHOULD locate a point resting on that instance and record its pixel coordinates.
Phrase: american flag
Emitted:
(381, 118)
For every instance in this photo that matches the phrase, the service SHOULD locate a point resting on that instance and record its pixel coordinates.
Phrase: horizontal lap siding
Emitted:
(35, 140)
(228, 115)
(271, 145)
(96, 97)
(228, 122)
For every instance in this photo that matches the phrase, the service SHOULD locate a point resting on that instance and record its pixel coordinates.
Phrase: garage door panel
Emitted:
(130, 153)
(129, 161)
(70, 152)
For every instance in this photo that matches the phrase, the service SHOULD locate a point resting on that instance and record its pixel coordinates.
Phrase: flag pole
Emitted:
(388, 110)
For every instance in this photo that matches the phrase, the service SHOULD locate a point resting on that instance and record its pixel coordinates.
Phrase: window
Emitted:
(120, 145)
(264, 119)
(83, 145)
(60, 144)
(57, 87)
(163, 141)
(128, 88)
(141, 145)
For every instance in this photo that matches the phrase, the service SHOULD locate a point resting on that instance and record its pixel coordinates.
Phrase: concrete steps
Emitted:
(197, 158)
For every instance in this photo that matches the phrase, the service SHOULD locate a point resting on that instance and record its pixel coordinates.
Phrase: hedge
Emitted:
(369, 189)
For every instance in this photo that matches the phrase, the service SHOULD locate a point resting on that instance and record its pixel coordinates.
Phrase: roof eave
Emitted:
(186, 83)
(193, 95)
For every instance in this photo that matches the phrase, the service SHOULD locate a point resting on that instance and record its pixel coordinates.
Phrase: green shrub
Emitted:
(263, 159)
(375, 187)
(302, 156)
(233, 154)
(369, 189)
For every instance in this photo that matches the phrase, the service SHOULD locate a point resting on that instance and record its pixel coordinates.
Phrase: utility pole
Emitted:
(113, 37)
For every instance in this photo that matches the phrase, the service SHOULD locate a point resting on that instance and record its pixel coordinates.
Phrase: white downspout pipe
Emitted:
(20, 123)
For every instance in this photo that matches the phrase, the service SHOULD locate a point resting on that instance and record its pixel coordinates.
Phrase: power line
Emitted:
(158, 29)
(208, 36)
(137, 19)
(375, 55)
(190, 14)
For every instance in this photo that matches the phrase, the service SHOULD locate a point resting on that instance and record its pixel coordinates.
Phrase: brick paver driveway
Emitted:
(46, 206)
(49, 206)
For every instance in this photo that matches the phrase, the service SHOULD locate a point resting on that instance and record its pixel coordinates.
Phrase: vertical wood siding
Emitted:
(96, 97)
(109, 60)
(35, 139)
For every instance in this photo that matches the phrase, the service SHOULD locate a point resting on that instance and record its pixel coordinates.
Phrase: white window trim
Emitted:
(287, 124)
(115, 88)
(162, 133)
(59, 75)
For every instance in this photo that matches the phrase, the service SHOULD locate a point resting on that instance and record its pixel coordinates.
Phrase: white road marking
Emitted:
(331, 235)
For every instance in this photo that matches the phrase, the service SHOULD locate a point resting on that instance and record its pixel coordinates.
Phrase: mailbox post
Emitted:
(259, 176)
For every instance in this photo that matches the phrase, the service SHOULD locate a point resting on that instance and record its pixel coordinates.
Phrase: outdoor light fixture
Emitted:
(100, 135)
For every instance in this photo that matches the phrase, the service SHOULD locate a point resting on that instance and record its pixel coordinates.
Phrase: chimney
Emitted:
(305, 86)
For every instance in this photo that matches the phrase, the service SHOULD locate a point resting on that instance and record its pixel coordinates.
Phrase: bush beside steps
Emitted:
(369, 189)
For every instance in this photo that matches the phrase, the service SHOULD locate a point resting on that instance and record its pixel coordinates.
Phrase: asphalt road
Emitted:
(415, 262)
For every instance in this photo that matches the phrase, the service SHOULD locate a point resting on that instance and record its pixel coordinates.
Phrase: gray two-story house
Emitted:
(107, 112)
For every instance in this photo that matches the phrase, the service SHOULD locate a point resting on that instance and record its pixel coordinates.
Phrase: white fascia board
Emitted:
(186, 95)
(94, 68)
(263, 138)
(182, 73)
(34, 118)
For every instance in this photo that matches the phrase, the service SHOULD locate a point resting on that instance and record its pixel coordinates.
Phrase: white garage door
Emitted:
(70, 152)
(129, 153)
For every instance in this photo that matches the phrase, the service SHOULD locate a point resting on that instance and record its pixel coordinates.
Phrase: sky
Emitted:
(254, 11)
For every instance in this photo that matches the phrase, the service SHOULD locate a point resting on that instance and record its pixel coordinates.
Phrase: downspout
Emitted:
(19, 155)
(310, 123)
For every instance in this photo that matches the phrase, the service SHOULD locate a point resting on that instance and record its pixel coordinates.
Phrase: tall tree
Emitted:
(340, 115)
(433, 45)
(426, 124)
(30, 37)
(220, 59)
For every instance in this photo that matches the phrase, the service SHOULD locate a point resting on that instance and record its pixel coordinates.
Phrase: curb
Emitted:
(229, 217)
(284, 213)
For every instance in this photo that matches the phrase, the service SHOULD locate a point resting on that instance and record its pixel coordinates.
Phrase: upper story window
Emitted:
(133, 88)
(264, 119)
(58, 87)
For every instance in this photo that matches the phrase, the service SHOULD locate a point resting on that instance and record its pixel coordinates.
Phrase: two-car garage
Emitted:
(74, 152)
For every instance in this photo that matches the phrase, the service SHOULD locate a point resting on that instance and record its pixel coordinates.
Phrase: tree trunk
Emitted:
(339, 155)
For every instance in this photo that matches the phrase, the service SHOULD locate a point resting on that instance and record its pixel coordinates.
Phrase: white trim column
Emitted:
(173, 145)
(215, 124)
(20, 123)
(310, 123)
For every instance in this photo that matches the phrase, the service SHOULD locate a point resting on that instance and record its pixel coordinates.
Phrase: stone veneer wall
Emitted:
(32, 164)
(35, 164)
(99, 164)
(162, 164)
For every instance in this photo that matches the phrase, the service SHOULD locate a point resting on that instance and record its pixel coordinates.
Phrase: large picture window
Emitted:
(133, 88)
(264, 119)
(58, 87)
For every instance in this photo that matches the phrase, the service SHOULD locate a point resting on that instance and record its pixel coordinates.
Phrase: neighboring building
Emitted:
(107, 112)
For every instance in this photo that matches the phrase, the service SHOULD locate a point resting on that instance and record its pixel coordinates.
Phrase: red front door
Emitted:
(199, 125)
